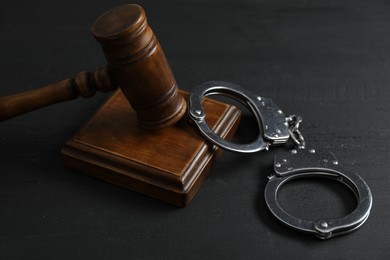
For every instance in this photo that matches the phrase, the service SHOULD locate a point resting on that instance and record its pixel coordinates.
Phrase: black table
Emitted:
(328, 61)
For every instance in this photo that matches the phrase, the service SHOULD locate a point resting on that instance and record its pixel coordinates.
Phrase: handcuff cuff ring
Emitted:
(303, 163)
(272, 124)
(274, 129)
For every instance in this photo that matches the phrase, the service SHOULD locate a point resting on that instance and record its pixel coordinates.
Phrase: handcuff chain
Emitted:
(297, 163)
(293, 128)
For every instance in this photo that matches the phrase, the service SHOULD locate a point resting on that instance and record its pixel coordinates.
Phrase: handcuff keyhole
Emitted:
(316, 198)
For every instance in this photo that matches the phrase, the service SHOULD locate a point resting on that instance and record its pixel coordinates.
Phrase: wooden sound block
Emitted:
(168, 164)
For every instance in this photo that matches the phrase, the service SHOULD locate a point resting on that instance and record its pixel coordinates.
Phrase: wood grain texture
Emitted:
(168, 164)
(138, 62)
(327, 61)
(85, 84)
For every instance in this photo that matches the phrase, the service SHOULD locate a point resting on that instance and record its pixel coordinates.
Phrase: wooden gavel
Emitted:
(136, 63)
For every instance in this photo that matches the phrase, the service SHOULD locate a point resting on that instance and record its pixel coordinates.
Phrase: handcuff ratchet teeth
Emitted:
(276, 129)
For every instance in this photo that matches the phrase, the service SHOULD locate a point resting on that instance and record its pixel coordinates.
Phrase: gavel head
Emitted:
(139, 65)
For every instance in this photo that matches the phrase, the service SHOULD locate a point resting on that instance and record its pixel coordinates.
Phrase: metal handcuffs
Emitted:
(276, 129)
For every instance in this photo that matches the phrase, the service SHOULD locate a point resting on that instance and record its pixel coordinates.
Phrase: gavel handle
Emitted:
(85, 84)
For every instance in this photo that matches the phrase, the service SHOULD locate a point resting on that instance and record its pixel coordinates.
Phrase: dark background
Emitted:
(328, 61)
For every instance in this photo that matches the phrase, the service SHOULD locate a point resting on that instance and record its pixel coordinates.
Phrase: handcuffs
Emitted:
(276, 129)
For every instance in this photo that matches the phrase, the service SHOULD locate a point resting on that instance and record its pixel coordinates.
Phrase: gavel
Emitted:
(135, 62)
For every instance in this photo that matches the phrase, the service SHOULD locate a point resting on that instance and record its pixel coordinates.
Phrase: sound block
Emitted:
(168, 164)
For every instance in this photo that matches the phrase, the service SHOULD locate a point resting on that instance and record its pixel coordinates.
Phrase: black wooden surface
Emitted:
(328, 61)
